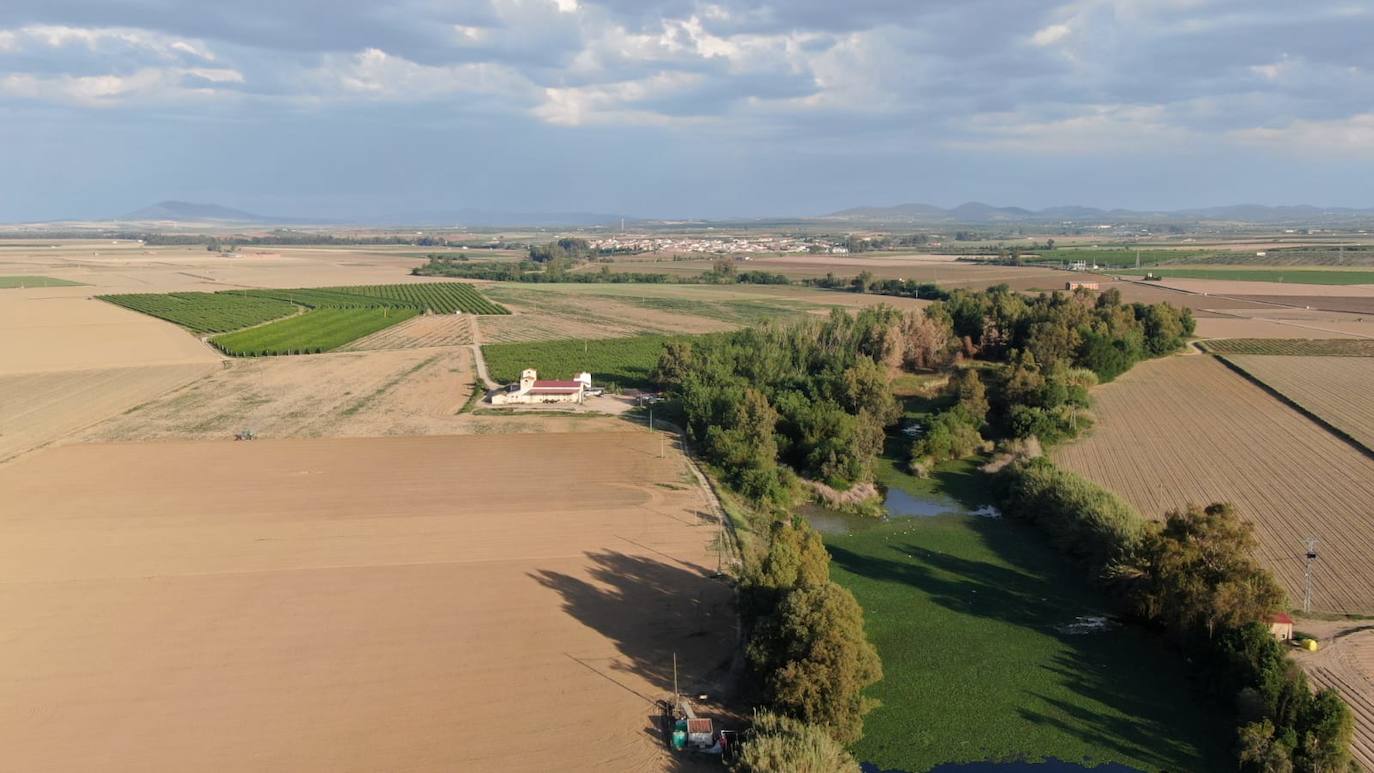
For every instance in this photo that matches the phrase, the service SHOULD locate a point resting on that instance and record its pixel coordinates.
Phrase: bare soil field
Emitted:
(1236, 288)
(52, 329)
(1338, 389)
(1352, 304)
(40, 408)
(421, 332)
(1239, 326)
(360, 604)
(1345, 663)
(1187, 429)
(358, 394)
(552, 312)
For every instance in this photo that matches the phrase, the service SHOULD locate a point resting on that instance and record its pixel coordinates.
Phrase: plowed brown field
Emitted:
(1338, 389)
(478, 603)
(1187, 429)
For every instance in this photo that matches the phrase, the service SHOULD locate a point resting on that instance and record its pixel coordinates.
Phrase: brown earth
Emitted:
(50, 329)
(1338, 389)
(1187, 429)
(468, 603)
(1353, 305)
(1345, 663)
(39, 408)
(347, 394)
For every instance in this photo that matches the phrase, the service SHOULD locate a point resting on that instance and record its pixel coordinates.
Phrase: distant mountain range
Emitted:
(185, 211)
(975, 212)
(971, 213)
(190, 212)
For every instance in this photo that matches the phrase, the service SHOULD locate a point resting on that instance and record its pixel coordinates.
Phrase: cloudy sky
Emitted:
(350, 108)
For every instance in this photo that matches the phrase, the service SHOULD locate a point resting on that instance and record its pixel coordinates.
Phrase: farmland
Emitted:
(624, 362)
(1187, 429)
(20, 282)
(1310, 276)
(438, 297)
(279, 597)
(1336, 389)
(418, 333)
(40, 408)
(1293, 347)
(206, 312)
(970, 616)
(318, 330)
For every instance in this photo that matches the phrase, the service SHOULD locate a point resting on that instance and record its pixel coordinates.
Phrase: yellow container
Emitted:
(1310, 645)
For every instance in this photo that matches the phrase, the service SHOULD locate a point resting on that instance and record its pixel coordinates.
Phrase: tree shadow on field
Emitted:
(651, 608)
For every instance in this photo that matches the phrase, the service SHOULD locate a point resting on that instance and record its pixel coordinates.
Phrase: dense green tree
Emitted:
(1198, 573)
(816, 660)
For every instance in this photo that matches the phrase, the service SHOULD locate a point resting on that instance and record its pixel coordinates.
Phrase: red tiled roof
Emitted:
(1281, 617)
(557, 384)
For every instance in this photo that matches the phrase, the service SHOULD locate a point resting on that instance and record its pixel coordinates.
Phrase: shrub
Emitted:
(1084, 520)
(781, 743)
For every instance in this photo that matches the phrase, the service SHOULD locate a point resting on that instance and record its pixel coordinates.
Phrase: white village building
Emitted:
(531, 390)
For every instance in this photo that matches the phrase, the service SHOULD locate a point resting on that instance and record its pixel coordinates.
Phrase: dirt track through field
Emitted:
(444, 603)
(1187, 429)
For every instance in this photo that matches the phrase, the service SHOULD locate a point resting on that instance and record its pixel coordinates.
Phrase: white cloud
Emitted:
(103, 40)
(1345, 136)
(151, 84)
(613, 102)
(375, 74)
(1089, 130)
(1048, 36)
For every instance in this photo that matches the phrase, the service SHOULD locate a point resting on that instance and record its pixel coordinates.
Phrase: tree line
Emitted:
(1022, 370)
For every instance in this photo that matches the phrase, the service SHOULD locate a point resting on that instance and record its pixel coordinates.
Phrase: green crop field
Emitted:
(235, 310)
(316, 331)
(439, 297)
(16, 282)
(1276, 274)
(624, 362)
(1292, 347)
(206, 312)
(1122, 257)
(972, 618)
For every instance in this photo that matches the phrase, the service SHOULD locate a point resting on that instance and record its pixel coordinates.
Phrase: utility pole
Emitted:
(1311, 543)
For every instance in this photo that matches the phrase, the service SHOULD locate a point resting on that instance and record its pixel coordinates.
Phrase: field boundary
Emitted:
(1295, 405)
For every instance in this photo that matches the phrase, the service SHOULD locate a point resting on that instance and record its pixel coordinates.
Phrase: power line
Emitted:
(1311, 543)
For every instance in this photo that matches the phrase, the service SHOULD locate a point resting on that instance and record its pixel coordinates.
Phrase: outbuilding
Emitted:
(1281, 625)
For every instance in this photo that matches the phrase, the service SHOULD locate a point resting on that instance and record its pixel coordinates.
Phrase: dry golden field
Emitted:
(455, 603)
(40, 408)
(423, 332)
(358, 394)
(1338, 389)
(1186, 429)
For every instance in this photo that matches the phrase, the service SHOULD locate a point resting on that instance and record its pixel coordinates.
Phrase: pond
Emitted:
(898, 504)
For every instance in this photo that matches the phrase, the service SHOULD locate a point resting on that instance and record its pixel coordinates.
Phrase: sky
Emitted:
(678, 108)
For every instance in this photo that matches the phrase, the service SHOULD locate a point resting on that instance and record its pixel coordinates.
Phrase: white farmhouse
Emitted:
(531, 390)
